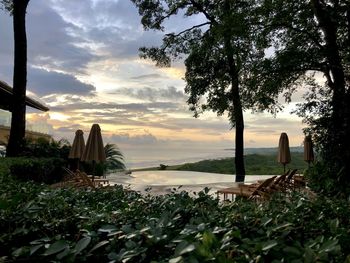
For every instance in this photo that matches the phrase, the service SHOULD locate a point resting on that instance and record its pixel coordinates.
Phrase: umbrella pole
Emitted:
(93, 170)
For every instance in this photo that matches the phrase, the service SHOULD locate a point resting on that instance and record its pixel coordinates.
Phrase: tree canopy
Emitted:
(310, 41)
(219, 52)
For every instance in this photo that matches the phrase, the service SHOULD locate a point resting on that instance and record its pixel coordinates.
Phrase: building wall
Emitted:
(5, 132)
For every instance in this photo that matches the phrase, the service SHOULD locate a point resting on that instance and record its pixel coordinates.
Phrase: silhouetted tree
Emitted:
(18, 106)
(219, 50)
(313, 37)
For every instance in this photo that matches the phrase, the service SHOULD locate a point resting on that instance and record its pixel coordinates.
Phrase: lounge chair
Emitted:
(287, 183)
(70, 179)
(261, 191)
(79, 179)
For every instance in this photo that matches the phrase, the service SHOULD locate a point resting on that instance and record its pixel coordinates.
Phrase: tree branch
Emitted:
(311, 37)
(205, 13)
(188, 29)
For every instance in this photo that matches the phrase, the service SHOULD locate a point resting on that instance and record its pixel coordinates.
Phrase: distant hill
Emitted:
(268, 150)
(255, 164)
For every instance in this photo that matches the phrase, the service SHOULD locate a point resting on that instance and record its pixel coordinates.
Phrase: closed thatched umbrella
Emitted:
(308, 150)
(283, 150)
(78, 147)
(94, 150)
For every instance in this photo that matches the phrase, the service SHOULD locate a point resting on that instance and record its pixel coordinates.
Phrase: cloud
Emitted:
(51, 43)
(125, 138)
(43, 82)
(106, 106)
(153, 94)
(147, 76)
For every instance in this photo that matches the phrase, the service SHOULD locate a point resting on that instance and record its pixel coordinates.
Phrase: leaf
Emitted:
(56, 247)
(183, 248)
(292, 250)
(98, 245)
(309, 255)
(334, 224)
(33, 249)
(329, 246)
(201, 227)
(107, 228)
(63, 253)
(282, 226)
(176, 260)
(269, 244)
(266, 221)
(82, 244)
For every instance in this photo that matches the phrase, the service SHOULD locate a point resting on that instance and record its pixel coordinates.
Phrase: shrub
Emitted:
(42, 170)
(38, 224)
(42, 148)
(324, 180)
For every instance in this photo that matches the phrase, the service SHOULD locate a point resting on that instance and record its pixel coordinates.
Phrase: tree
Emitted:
(18, 106)
(312, 37)
(114, 158)
(220, 50)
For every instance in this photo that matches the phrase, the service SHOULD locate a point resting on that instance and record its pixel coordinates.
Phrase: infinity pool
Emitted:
(161, 178)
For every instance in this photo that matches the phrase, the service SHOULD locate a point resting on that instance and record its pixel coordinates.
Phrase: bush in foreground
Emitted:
(41, 170)
(39, 224)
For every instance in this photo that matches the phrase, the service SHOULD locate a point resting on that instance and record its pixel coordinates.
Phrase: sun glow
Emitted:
(58, 116)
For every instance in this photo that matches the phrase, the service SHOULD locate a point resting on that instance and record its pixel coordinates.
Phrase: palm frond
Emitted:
(114, 157)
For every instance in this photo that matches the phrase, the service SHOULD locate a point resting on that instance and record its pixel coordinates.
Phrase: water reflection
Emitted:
(155, 178)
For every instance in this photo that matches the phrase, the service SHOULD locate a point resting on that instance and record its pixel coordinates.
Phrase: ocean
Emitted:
(154, 157)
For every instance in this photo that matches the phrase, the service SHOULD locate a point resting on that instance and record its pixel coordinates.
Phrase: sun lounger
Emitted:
(287, 183)
(262, 190)
(70, 179)
(79, 179)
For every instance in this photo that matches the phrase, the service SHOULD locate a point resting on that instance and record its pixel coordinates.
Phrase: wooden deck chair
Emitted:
(246, 191)
(85, 179)
(287, 184)
(280, 180)
(70, 179)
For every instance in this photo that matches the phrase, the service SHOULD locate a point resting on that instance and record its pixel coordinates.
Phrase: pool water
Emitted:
(154, 178)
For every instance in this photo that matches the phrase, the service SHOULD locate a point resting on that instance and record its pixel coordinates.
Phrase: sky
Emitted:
(83, 62)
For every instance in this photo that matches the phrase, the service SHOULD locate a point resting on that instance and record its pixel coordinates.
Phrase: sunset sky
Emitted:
(83, 63)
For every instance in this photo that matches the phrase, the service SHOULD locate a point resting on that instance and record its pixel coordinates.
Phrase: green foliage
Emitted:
(7, 5)
(67, 225)
(220, 49)
(42, 170)
(255, 164)
(323, 180)
(114, 161)
(311, 38)
(44, 148)
(114, 158)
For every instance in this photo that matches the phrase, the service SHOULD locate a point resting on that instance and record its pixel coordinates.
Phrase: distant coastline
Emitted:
(256, 164)
(138, 160)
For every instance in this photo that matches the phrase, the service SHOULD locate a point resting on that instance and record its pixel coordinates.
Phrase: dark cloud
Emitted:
(131, 107)
(43, 82)
(147, 76)
(153, 94)
(51, 42)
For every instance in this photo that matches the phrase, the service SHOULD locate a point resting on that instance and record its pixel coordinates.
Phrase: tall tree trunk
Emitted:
(237, 114)
(239, 140)
(18, 105)
(338, 131)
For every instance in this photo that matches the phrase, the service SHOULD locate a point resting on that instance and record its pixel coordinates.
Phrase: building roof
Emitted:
(6, 98)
